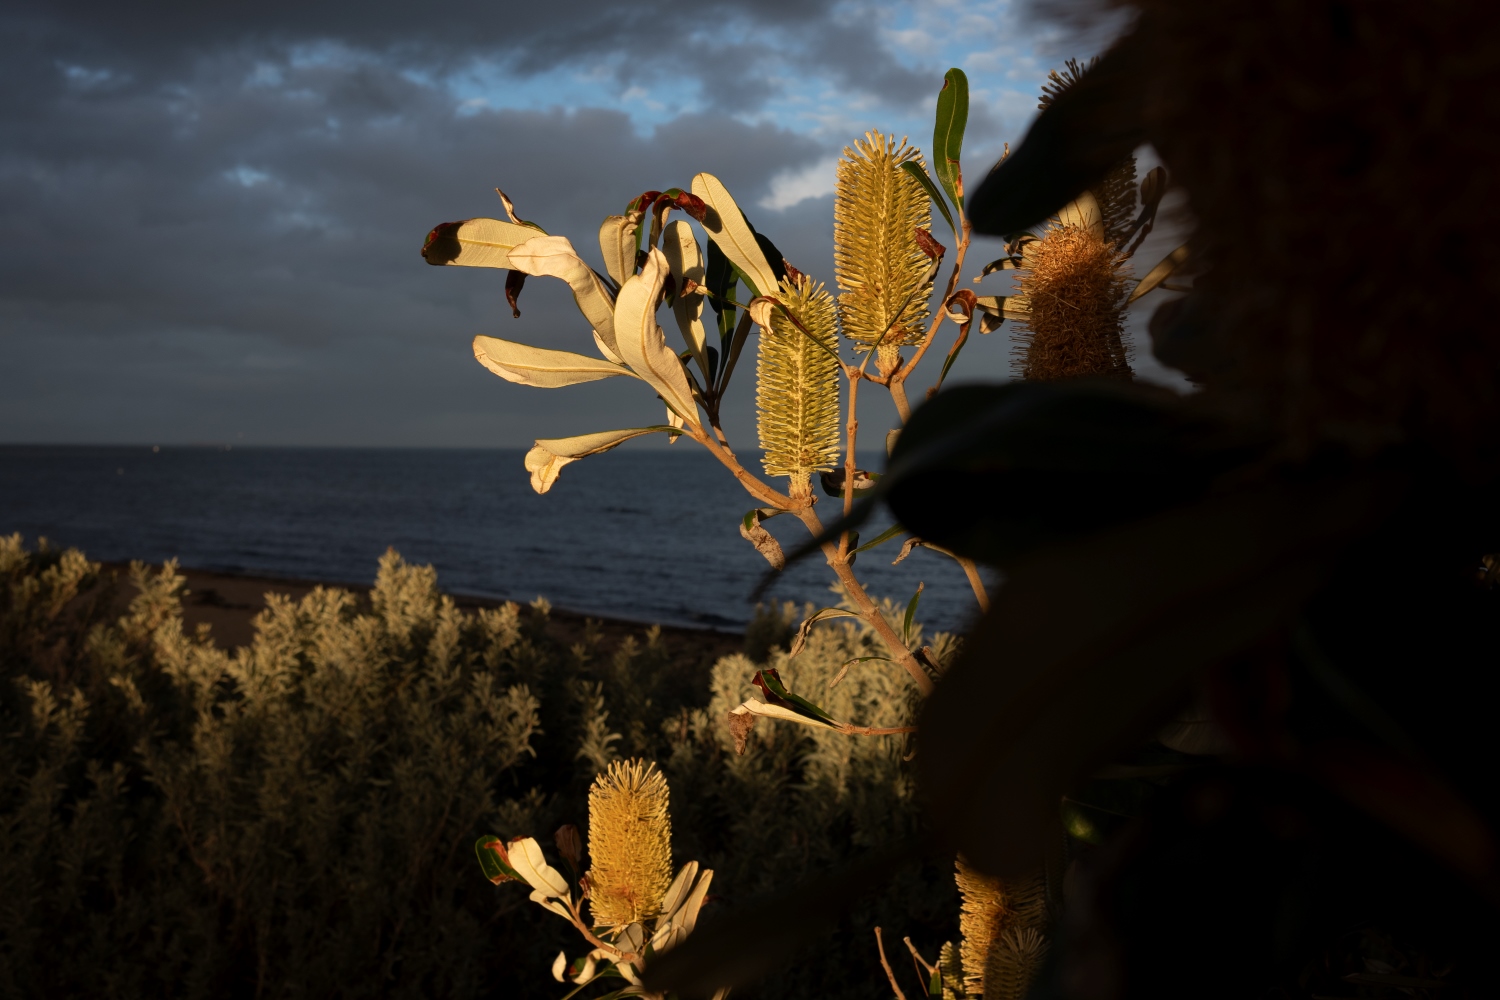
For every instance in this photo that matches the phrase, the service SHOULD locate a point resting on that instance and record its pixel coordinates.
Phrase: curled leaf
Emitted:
(765, 543)
(686, 262)
(540, 367)
(1161, 272)
(805, 629)
(554, 257)
(494, 861)
(530, 863)
(514, 282)
(642, 343)
(617, 242)
(931, 247)
(547, 457)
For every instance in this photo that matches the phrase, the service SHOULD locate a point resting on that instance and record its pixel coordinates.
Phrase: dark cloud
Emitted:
(210, 214)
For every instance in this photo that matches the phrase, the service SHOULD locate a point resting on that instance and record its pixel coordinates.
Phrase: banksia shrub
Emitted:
(980, 919)
(1076, 290)
(630, 843)
(880, 268)
(797, 387)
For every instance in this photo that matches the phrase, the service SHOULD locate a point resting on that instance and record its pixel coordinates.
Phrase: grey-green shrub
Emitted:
(296, 817)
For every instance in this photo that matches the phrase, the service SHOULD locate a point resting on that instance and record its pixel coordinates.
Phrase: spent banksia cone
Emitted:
(630, 843)
(880, 267)
(1074, 284)
(797, 387)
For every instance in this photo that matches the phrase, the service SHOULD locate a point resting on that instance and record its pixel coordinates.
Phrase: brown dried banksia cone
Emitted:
(797, 385)
(1074, 284)
(880, 267)
(630, 843)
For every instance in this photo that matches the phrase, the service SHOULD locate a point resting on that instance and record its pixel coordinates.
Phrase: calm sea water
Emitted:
(650, 536)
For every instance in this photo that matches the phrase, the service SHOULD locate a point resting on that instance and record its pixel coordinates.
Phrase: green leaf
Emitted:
(882, 538)
(493, 862)
(803, 631)
(769, 681)
(915, 169)
(948, 133)
(911, 610)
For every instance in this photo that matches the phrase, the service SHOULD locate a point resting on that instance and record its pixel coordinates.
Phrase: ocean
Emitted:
(642, 535)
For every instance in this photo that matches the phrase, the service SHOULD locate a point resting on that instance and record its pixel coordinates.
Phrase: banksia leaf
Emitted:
(1014, 961)
(1074, 284)
(797, 387)
(880, 267)
(630, 843)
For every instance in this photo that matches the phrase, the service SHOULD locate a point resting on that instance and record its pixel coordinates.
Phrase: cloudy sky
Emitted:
(211, 212)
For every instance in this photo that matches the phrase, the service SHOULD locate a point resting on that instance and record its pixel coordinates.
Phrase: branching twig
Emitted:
(880, 944)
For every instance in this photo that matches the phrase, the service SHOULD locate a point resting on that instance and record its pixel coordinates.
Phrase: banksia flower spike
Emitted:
(980, 920)
(1074, 283)
(1001, 927)
(630, 843)
(797, 385)
(880, 267)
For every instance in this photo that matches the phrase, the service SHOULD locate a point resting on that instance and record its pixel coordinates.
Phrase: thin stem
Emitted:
(960, 252)
(849, 730)
(593, 939)
(972, 572)
(880, 944)
(866, 607)
(898, 396)
(916, 956)
(752, 485)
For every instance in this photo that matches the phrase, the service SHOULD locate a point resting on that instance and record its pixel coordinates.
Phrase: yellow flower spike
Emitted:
(797, 385)
(980, 921)
(880, 268)
(630, 843)
(1076, 289)
(1014, 961)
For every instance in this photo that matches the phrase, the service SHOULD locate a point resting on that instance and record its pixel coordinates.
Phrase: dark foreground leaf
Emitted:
(1090, 644)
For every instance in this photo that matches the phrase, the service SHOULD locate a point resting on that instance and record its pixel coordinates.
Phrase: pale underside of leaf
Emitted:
(547, 457)
(554, 257)
(1083, 212)
(487, 242)
(686, 261)
(1161, 272)
(617, 242)
(539, 367)
(733, 235)
(643, 345)
(530, 863)
(768, 711)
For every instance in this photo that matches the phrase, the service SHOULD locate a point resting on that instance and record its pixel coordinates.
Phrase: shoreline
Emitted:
(228, 603)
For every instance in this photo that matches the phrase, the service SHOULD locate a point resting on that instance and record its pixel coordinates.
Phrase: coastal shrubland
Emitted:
(295, 817)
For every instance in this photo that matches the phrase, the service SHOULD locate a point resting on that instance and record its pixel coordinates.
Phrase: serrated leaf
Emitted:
(686, 261)
(474, 243)
(1161, 272)
(530, 863)
(948, 133)
(643, 345)
(915, 169)
(547, 457)
(539, 367)
(726, 226)
(554, 257)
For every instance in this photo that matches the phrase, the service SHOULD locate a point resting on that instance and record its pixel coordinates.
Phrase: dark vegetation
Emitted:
(296, 818)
